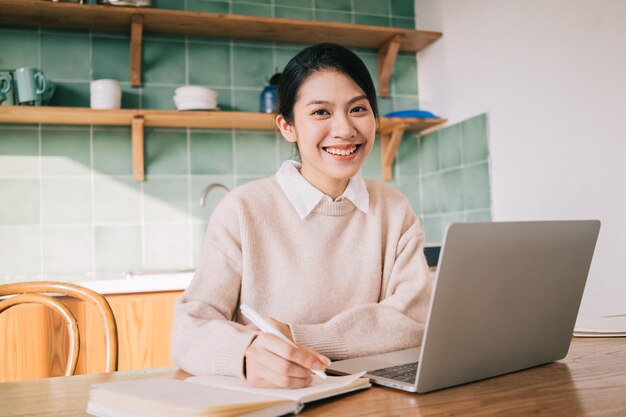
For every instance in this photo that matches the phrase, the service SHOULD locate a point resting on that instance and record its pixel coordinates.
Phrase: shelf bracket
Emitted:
(136, 40)
(137, 147)
(387, 55)
(389, 141)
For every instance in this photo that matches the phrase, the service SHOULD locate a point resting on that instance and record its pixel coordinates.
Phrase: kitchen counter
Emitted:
(175, 281)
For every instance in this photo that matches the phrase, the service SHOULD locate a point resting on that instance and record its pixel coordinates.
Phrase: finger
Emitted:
(265, 354)
(293, 353)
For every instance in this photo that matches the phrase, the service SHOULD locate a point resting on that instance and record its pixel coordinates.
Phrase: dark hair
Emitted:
(316, 58)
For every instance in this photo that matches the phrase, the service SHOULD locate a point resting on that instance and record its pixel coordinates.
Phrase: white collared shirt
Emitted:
(305, 197)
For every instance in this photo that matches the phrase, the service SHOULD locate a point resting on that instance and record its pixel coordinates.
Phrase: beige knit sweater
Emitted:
(347, 283)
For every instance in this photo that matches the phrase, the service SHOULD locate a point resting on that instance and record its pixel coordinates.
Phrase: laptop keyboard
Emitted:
(404, 373)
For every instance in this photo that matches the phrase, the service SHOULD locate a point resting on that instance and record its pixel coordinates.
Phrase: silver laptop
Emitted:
(505, 299)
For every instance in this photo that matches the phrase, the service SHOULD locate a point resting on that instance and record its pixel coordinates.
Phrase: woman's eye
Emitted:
(358, 109)
(320, 112)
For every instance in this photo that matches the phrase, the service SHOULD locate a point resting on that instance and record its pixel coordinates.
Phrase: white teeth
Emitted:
(342, 152)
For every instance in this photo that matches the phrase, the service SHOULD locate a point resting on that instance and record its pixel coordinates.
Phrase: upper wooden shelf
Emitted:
(391, 129)
(387, 41)
(177, 22)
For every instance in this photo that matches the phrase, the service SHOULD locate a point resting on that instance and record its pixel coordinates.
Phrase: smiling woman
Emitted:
(334, 261)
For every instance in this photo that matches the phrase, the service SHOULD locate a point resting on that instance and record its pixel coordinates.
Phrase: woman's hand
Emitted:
(271, 362)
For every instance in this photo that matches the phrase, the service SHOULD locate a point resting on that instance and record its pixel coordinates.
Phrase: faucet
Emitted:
(208, 189)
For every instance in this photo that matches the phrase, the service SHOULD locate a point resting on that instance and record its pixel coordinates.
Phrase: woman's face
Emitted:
(334, 127)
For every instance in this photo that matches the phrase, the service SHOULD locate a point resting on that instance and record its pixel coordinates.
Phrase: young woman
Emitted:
(336, 262)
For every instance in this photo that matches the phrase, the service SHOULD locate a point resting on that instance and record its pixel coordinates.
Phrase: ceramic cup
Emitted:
(105, 94)
(6, 88)
(30, 83)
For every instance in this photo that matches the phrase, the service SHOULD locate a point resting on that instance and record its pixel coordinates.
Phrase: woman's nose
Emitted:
(343, 127)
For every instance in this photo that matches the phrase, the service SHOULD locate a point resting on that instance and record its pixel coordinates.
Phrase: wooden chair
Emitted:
(37, 292)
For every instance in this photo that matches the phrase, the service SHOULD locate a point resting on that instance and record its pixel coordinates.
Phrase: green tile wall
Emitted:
(70, 208)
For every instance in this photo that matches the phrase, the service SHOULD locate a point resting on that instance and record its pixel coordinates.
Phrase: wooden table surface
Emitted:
(590, 381)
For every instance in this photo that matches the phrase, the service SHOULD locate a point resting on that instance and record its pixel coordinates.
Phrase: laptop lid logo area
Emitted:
(506, 298)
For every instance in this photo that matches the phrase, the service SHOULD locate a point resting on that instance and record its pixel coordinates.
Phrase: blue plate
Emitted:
(420, 114)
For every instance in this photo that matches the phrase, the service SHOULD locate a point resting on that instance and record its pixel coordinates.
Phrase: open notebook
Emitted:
(218, 396)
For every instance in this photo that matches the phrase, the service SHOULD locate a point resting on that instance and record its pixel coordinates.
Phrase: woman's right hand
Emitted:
(273, 363)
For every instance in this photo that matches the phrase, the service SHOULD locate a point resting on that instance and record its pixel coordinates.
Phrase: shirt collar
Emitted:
(304, 197)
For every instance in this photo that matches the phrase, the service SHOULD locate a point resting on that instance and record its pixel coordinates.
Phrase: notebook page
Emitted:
(317, 390)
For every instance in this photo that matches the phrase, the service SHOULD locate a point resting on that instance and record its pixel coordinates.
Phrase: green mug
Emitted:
(6, 88)
(30, 84)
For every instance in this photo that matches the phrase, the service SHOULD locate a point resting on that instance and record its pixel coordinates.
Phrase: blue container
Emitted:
(268, 99)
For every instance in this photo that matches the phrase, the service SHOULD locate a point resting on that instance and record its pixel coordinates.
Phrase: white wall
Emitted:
(551, 74)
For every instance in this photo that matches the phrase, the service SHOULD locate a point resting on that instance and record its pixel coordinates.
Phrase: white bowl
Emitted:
(98, 86)
(184, 103)
(106, 103)
(196, 90)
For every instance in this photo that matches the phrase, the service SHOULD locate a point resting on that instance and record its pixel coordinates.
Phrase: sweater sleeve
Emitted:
(205, 340)
(396, 322)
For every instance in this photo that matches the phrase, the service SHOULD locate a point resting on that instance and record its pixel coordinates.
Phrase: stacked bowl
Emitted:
(194, 97)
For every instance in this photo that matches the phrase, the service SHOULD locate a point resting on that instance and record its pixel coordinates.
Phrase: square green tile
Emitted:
(224, 99)
(198, 183)
(451, 191)
(252, 66)
(110, 58)
(167, 247)
(476, 187)
(333, 16)
(166, 200)
(65, 152)
(209, 64)
(371, 62)
(169, 4)
(433, 230)
(475, 146)
(478, 216)
(66, 56)
(371, 7)
(66, 201)
(116, 200)
(157, 97)
(118, 248)
(252, 9)
(247, 179)
(361, 19)
(430, 194)
(211, 153)
(166, 152)
(65, 255)
(71, 94)
(398, 22)
(385, 104)
(19, 151)
(449, 218)
(131, 97)
(407, 156)
(247, 100)
(337, 5)
(20, 48)
(283, 56)
(20, 248)
(208, 6)
(405, 102)
(403, 8)
(163, 62)
(410, 187)
(404, 75)
(306, 4)
(293, 13)
(255, 153)
(112, 150)
(429, 153)
(371, 168)
(450, 147)
(21, 201)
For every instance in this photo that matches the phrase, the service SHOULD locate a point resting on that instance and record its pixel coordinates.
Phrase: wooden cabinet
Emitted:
(33, 340)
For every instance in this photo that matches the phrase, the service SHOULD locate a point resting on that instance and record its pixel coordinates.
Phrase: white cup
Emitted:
(105, 94)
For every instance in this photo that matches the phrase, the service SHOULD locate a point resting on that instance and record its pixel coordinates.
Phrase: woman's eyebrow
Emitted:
(352, 100)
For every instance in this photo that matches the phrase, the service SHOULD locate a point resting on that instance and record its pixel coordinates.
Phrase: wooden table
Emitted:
(590, 381)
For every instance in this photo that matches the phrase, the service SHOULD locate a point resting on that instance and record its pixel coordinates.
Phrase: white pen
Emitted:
(264, 326)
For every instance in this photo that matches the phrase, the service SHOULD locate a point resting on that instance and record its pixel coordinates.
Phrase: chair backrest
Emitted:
(38, 292)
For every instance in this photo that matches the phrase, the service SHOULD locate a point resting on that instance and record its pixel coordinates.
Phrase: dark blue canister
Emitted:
(268, 99)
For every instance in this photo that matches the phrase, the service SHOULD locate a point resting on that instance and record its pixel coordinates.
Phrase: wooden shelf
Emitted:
(386, 40)
(391, 129)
